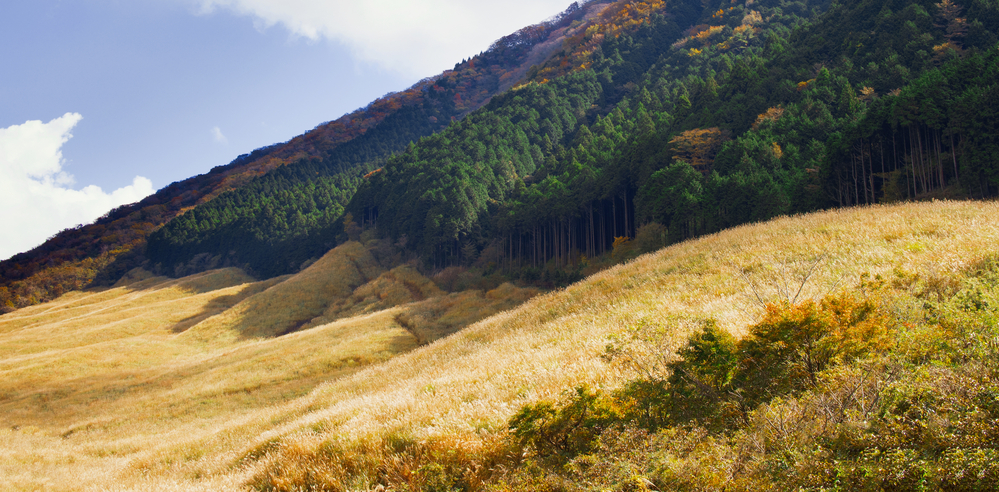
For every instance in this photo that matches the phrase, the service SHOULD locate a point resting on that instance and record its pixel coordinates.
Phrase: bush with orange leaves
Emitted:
(717, 380)
(794, 343)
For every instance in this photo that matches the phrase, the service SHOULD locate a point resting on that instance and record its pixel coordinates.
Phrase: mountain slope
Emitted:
(755, 112)
(684, 114)
(334, 154)
(780, 106)
(159, 409)
(868, 327)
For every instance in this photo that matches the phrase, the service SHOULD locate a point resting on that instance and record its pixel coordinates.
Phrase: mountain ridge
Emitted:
(77, 257)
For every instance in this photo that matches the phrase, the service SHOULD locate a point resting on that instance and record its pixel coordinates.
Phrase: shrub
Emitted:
(717, 380)
(698, 387)
(787, 350)
(567, 429)
(650, 237)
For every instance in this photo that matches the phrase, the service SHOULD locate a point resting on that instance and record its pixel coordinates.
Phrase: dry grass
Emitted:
(150, 409)
(401, 285)
(289, 305)
(441, 316)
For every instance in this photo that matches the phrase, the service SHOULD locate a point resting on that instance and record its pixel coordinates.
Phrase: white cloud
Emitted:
(35, 193)
(415, 37)
(219, 137)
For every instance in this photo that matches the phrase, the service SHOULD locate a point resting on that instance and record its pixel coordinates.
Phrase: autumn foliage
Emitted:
(698, 147)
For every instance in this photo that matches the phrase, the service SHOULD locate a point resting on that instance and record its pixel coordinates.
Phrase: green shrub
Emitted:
(650, 237)
(567, 429)
(698, 387)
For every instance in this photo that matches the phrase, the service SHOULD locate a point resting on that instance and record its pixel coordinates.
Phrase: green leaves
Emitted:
(567, 429)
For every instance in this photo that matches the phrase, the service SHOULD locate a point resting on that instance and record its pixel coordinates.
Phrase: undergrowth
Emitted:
(890, 385)
(893, 385)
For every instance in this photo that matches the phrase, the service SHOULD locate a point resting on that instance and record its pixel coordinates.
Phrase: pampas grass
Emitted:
(111, 390)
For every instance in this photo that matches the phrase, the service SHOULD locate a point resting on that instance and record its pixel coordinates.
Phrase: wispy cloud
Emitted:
(219, 137)
(35, 192)
(414, 37)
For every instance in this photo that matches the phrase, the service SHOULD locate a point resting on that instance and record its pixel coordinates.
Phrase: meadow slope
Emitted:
(119, 390)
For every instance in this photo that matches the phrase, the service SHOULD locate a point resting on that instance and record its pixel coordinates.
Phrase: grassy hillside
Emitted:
(124, 388)
(97, 380)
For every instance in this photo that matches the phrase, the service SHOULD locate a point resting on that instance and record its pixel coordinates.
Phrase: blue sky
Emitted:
(105, 101)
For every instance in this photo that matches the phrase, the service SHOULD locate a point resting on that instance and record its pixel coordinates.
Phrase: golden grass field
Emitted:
(165, 384)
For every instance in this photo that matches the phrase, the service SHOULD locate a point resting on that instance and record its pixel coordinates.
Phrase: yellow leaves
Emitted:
(944, 51)
(707, 33)
(940, 48)
(867, 94)
(773, 114)
(752, 18)
(804, 85)
(695, 52)
(622, 247)
(778, 152)
(621, 241)
(698, 147)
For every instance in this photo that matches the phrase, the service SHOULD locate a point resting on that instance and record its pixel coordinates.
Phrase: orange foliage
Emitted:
(698, 147)
(751, 18)
(771, 115)
(623, 16)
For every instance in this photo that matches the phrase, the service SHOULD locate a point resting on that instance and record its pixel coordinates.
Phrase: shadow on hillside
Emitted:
(139, 281)
(215, 306)
(70, 405)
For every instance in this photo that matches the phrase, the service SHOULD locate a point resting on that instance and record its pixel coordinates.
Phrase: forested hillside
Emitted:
(612, 128)
(387, 325)
(334, 154)
(662, 120)
(753, 113)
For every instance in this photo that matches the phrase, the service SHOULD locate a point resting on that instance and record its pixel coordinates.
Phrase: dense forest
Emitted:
(679, 120)
(621, 127)
(762, 115)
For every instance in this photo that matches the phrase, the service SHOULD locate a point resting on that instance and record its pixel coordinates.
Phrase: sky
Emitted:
(103, 102)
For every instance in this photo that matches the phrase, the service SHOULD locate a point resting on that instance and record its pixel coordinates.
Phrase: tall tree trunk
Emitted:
(953, 157)
(881, 149)
(614, 213)
(943, 182)
(856, 186)
(839, 185)
(914, 160)
(894, 150)
(627, 229)
(510, 263)
(863, 173)
(590, 246)
(917, 162)
(870, 175)
(928, 184)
